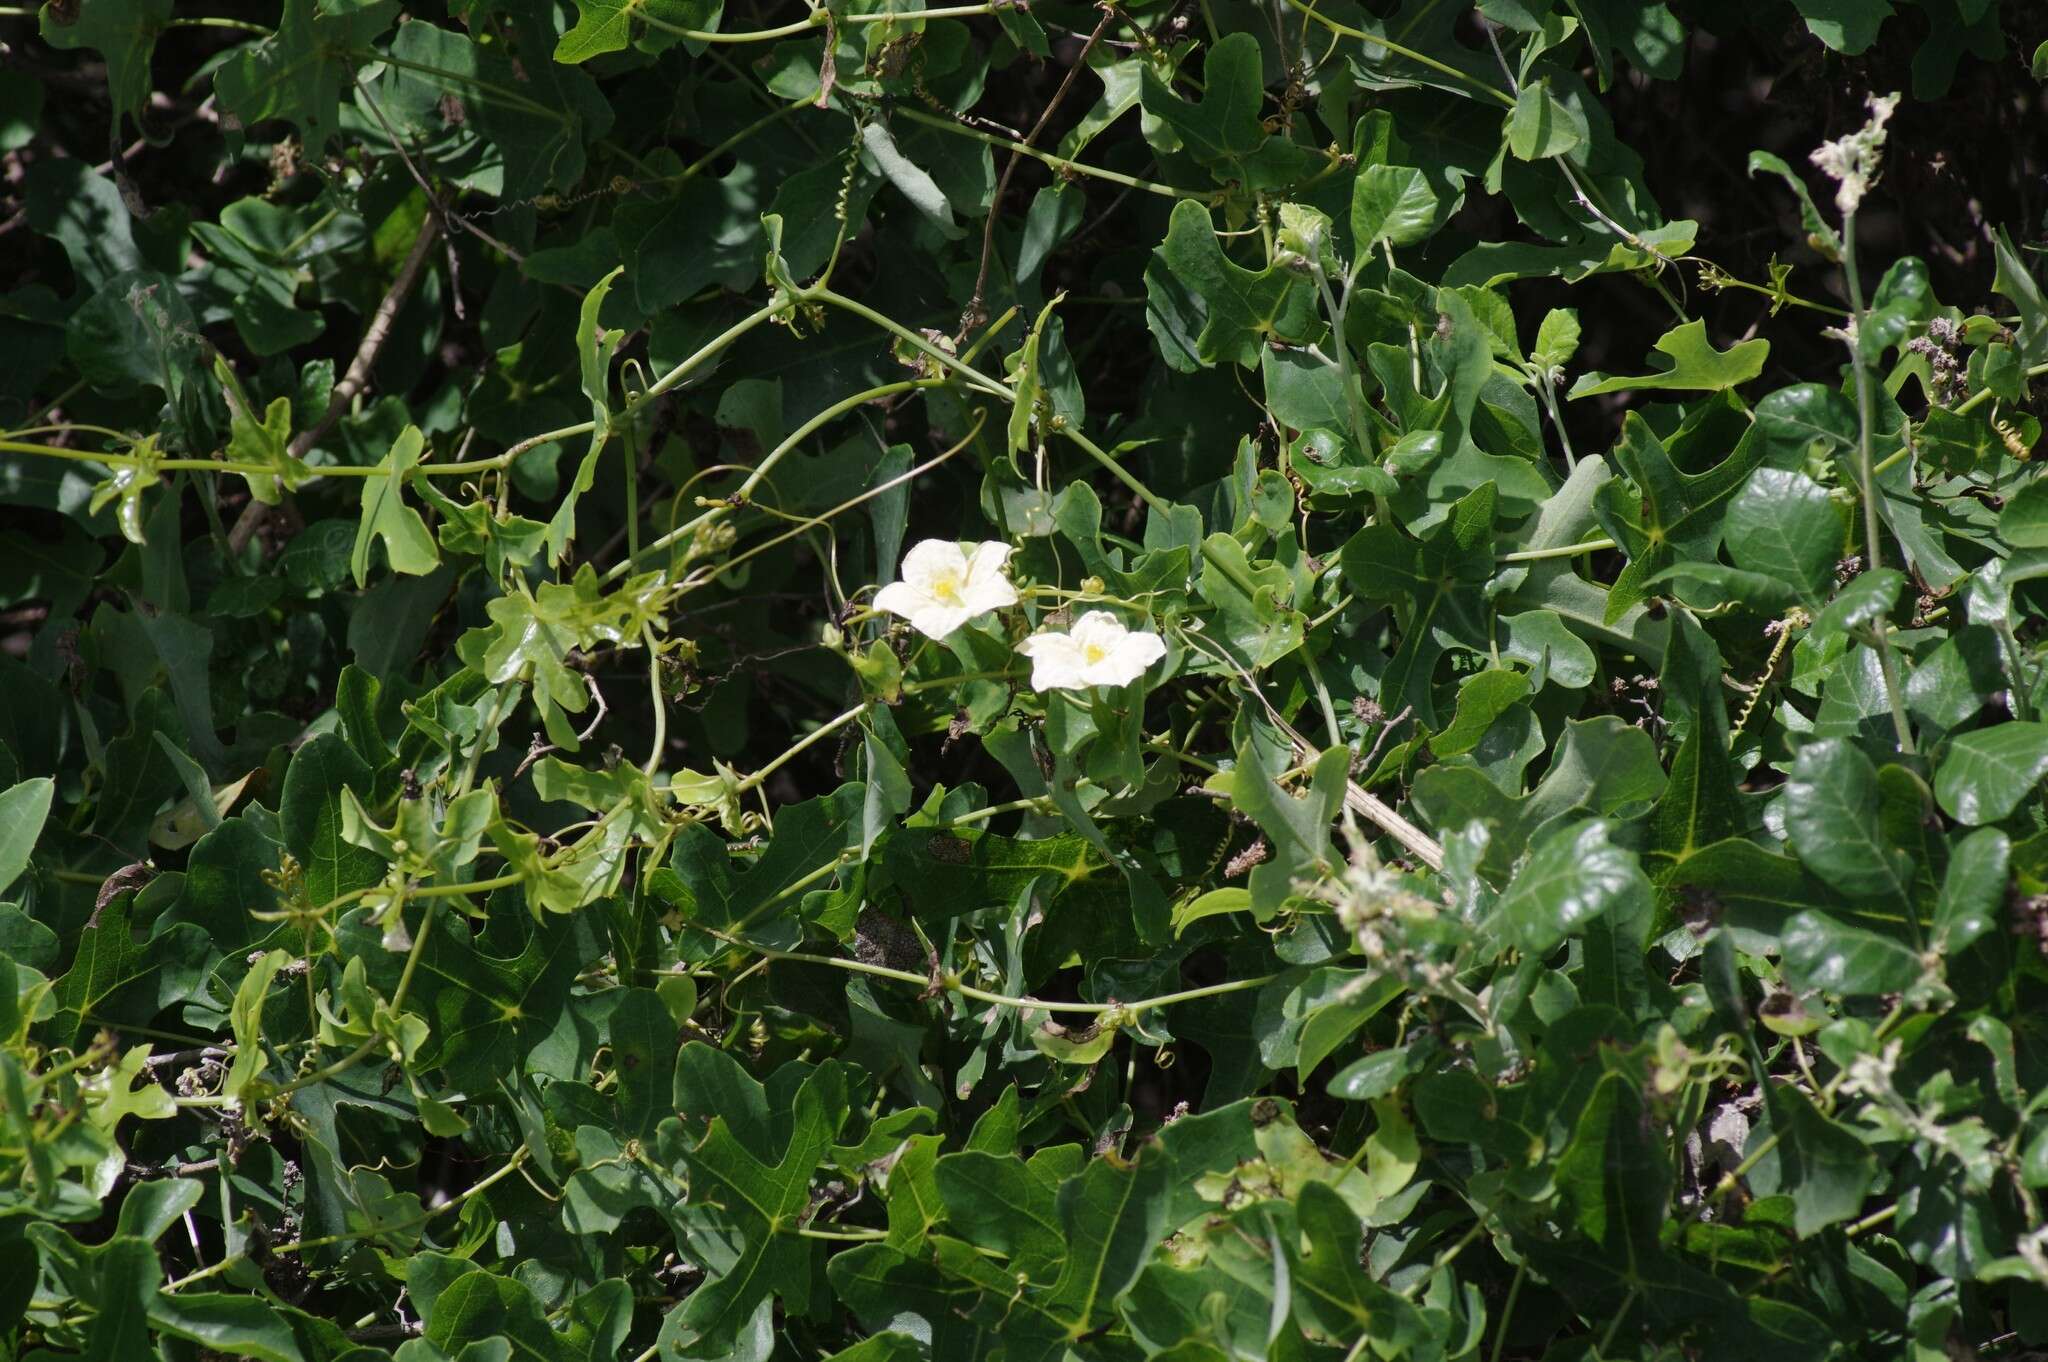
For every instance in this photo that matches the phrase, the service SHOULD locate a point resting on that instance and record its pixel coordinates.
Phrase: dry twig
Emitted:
(977, 309)
(355, 379)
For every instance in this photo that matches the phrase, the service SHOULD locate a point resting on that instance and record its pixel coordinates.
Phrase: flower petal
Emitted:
(902, 598)
(1100, 629)
(935, 620)
(1057, 662)
(1145, 646)
(982, 597)
(1128, 660)
(932, 558)
(986, 586)
(990, 559)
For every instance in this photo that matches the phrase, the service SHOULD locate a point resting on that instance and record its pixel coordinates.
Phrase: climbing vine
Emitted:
(702, 679)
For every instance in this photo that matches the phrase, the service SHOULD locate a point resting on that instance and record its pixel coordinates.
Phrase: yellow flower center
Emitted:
(1094, 652)
(945, 587)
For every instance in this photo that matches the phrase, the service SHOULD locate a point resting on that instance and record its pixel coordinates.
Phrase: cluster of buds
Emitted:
(1853, 162)
(1376, 906)
(1938, 345)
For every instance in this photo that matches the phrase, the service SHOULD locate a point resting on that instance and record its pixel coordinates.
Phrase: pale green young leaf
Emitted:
(609, 25)
(595, 347)
(1557, 339)
(246, 1017)
(1392, 204)
(1692, 364)
(1818, 231)
(385, 515)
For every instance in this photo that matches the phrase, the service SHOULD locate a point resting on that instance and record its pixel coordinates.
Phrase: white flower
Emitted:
(1098, 651)
(1853, 161)
(943, 588)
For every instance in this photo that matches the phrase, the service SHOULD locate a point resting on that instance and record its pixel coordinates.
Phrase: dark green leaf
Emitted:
(1831, 819)
(23, 808)
(1822, 953)
(1848, 26)
(124, 32)
(310, 815)
(1986, 773)
(1541, 125)
(1224, 125)
(1240, 309)
(1785, 524)
(1573, 876)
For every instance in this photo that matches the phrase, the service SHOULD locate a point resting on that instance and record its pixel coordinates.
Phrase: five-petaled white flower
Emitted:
(1097, 651)
(943, 588)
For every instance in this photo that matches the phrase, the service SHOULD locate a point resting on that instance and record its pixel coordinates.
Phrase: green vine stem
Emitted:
(952, 983)
(483, 1184)
(1865, 418)
(1058, 163)
(1983, 395)
(712, 515)
(1419, 58)
(819, 18)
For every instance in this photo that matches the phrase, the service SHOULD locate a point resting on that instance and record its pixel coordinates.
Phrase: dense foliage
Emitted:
(1449, 766)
